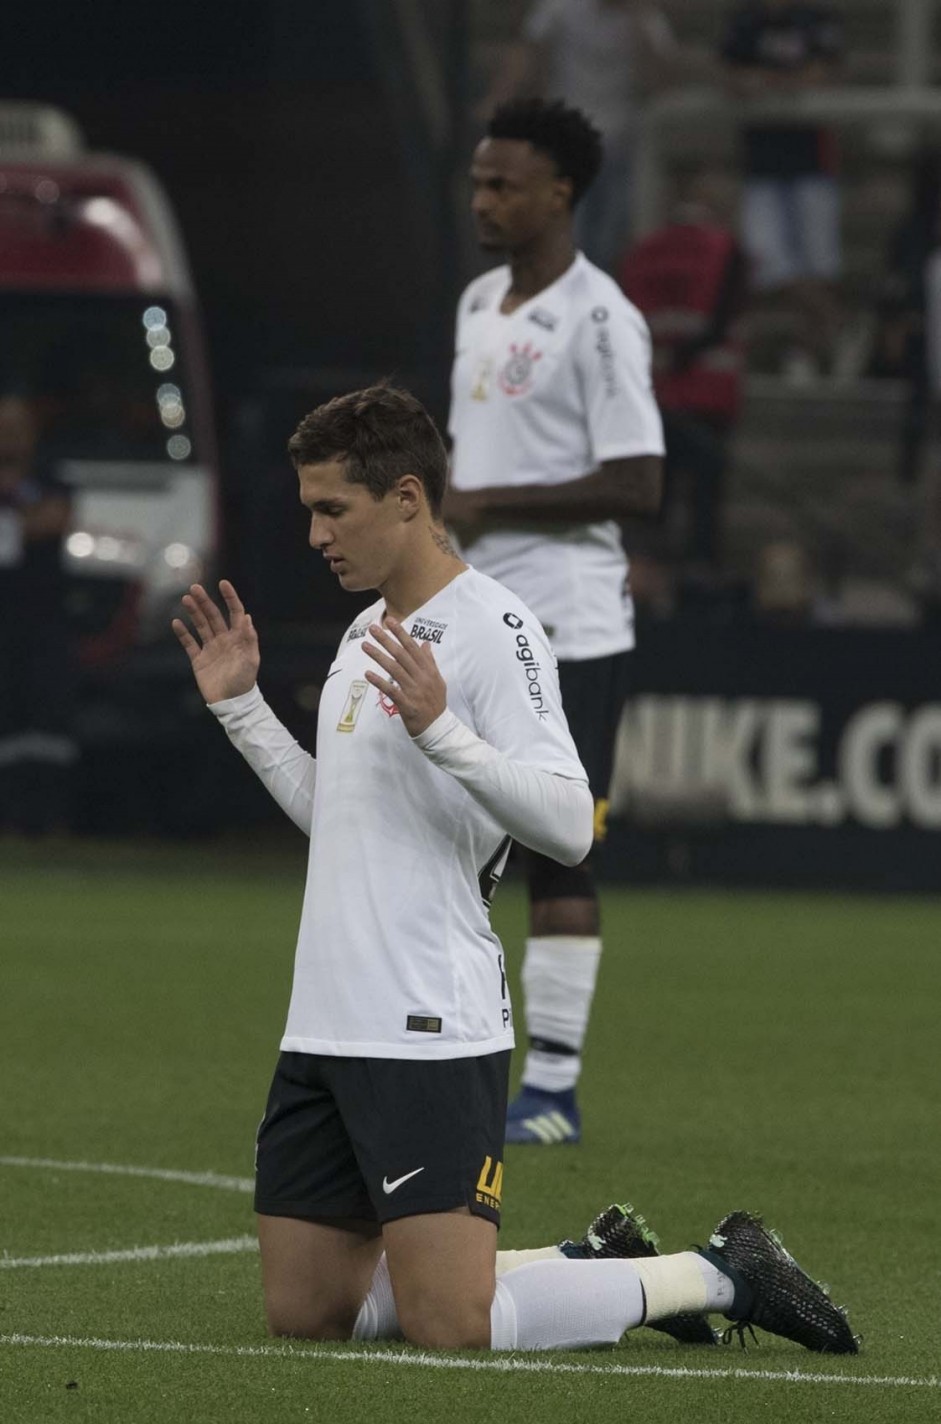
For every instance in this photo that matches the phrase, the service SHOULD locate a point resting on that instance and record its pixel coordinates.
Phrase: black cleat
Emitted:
(621, 1233)
(772, 1291)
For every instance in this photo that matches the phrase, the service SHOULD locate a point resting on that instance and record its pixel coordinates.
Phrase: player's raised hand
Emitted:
(224, 655)
(413, 681)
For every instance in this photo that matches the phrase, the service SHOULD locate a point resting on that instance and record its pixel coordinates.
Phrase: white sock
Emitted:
(377, 1318)
(565, 1305)
(509, 1260)
(720, 1290)
(537, 1308)
(559, 973)
(684, 1281)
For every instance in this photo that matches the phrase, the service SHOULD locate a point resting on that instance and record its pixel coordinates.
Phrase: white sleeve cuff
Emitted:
(446, 726)
(245, 702)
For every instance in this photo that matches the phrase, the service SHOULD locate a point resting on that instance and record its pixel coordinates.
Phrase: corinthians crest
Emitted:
(516, 377)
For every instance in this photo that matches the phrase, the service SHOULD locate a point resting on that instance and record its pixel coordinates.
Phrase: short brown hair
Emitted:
(379, 434)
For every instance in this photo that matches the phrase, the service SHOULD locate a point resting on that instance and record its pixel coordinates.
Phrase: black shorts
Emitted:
(593, 694)
(379, 1138)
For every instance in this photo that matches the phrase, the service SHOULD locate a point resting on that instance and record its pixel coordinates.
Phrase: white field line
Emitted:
(498, 1364)
(501, 1364)
(113, 1169)
(227, 1247)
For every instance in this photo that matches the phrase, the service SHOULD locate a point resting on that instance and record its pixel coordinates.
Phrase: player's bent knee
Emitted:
(296, 1327)
(464, 1325)
(294, 1321)
(433, 1333)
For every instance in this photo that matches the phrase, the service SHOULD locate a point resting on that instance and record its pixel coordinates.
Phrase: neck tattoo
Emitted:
(443, 542)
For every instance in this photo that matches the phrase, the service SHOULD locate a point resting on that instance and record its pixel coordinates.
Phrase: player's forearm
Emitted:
(286, 770)
(545, 812)
(633, 489)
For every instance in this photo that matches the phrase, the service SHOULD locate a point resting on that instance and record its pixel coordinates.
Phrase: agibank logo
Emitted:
(527, 657)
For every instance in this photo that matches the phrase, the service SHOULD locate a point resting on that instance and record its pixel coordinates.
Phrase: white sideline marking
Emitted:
(160, 1174)
(135, 1253)
(500, 1364)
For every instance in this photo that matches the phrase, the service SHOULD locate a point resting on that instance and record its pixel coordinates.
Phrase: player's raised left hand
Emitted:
(413, 681)
(224, 653)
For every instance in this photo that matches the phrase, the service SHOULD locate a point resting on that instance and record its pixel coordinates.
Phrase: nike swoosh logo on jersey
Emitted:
(332, 674)
(389, 1187)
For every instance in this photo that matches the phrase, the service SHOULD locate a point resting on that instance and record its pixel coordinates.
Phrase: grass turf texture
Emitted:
(777, 1053)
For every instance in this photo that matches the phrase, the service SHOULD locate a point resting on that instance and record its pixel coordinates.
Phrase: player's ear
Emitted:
(410, 494)
(563, 194)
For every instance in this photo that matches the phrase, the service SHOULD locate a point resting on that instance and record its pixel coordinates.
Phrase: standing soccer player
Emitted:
(440, 735)
(557, 438)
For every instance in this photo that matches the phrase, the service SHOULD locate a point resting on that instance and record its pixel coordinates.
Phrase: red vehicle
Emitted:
(99, 324)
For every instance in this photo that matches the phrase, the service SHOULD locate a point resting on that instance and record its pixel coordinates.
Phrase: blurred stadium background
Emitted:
(783, 730)
(785, 723)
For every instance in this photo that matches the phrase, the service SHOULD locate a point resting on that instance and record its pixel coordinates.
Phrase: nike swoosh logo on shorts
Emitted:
(389, 1187)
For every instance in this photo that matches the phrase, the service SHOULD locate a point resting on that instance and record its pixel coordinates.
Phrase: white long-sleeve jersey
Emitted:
(540, 396)
(395, 956)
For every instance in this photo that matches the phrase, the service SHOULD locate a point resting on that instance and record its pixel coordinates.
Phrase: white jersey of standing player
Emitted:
(395, 954)
(543, 396)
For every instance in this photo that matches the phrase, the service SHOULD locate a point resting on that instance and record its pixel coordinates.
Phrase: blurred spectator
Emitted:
(907, 347)
(901, 345)
(36, 746)
(689, 280)
(599, 56)
(791, 216)
(926, 573)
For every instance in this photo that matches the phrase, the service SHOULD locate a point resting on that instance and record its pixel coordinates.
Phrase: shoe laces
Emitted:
(738, 1327)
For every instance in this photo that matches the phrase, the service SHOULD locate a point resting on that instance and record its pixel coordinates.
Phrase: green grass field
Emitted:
(773, 1052)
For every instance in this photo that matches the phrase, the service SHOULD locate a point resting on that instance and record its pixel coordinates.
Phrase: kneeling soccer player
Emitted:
(441, 736)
